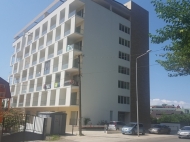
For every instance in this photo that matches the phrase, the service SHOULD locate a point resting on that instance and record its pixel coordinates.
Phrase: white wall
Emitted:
(100, 64)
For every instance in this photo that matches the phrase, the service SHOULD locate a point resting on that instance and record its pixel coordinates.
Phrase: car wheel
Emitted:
(179, 137)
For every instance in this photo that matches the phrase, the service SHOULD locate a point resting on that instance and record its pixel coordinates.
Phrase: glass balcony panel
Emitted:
(18, 59)
(43, 103)
(55, 69)
(31, 89)
(15, 71)
(38, 74)
(48, 86)
(26, 66)
(52, 102)
(74, 101)
(61, 101)
(36, 37)
(23, 91)
(67, 33)
(53, 26)
(79, 30)
(57, 37)
(40, 47)
(71, 83)
(29, 42)
(61, 20)
(44, 32)
(72, 13)
(33, 63)
(47, 71)
(75, 64)
(49, 42)
(64, 66)
(27, 103)
(26, 54)
(39, 88)
(42, 59)
(73, 46)
(18, 49)
(30, 76)
(33, 51)
(50, 55)
(35, 103)
(59, 52)
(24, 78)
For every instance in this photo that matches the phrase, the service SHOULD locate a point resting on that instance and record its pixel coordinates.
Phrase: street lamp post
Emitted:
(137, 92)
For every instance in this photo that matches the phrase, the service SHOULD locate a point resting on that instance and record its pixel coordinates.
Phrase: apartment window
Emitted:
(124, 42)
(123, 84)
(47, 67)
(123, 70)
(123, 56)
(123, 100)
(124, 28)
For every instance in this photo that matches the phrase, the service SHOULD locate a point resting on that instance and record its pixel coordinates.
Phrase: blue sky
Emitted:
(163, 89)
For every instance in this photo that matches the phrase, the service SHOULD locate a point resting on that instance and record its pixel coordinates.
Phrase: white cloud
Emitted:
(169, 102)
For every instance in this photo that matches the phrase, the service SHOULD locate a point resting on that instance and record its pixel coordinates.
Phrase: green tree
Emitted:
(176, 14)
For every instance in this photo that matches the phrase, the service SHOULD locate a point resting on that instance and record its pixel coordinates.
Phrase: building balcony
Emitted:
(64, 66)
(18, 59)
(57, 37)
(67, 32)
(43, 103)
(24, 79)
(15, 71)
(16, 81)
(71, 83)
(44, 32)
(72, 47)
(31, 90)
(23, 91)
(62, 101)
(33, 63)
(53, 26)
(50, 55)
(42, 59)
(27, 103)
(61, 20)
(26, 55)
(39, 88)
(33, 51)
(72, 13)
(40, 47)
(52, 102)
(38, 74)
(36, 37)
(59, 52)
(30, 76)
(18, 49)
(20, 104)
(29, 42)
(26, 66)
(57, 84)
(55, 69)
(49, 42)
(74, 102)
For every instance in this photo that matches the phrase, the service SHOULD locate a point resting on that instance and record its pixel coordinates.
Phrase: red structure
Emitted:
(4, 94)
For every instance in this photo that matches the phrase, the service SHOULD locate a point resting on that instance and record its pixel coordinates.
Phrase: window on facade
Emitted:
(124, 42)
(124, 28)
(123, 70)
(123, 84)
(47, 67)
(123, 56)
(123, 100)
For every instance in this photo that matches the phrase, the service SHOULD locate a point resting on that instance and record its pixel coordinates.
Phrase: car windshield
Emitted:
(156, 126)
(130, 125)
(185, 128)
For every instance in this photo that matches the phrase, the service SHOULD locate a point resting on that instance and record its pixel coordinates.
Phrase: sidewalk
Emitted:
(100, 136)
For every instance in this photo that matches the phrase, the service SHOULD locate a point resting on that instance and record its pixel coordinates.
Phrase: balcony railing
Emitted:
(49, 42)
(50, 55)
(57, 84)
(61, 101)
(75, 64)
(52, 102)
(44, 32)
(79, 30)
(57, 37)
(74, 102)
(31, 89)
(43, 103)
(30, 76)
(39, 88)
(61, 20)
(24, 78)
(33, 63)
(73, 46)
(59, 51)
(42, 59)
(20, 104)
(40, 47)
(38, 74)
(72, 13)
(15, 71)
(33, 51)
(26, 66)
(17, 49)
(55, 69)
(23, 91)
(16, 81)
(36, 37)
(64, 66)
(26, 54)
(29, 42)
(27, 103)
(71, 83)
(53, 26)
(35, 103)
(18, 59)
(67, 32)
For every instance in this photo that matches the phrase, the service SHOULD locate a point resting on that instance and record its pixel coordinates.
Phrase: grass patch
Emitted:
(52, 138)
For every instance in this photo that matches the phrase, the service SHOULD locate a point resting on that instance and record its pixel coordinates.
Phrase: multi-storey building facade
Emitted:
(45, 62)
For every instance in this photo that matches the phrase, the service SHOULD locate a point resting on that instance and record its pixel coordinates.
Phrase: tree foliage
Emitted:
(176, 14)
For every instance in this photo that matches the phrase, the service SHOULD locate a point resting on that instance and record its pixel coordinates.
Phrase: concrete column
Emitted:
(48, 97)
(57, 97)
(39, 98)
(65, 45)
(68, 96)
(31, 99)
(24, 102)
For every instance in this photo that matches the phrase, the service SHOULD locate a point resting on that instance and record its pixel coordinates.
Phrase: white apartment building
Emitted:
(45, 71)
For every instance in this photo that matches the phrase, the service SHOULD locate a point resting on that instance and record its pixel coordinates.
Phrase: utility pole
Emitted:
(80, 118)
